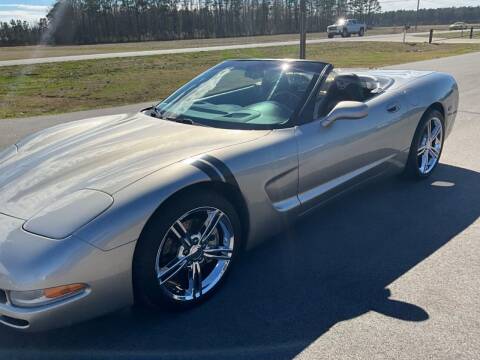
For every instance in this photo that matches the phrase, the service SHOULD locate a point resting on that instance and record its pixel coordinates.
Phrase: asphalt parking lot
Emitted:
(392, 271)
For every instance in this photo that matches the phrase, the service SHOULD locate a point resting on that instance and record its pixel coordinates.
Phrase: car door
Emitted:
(334, 158)
(355, 26)
(358, 25)
(349, 26)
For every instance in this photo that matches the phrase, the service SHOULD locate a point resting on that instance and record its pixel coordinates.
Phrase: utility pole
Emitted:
(303, 29)
(416, 17)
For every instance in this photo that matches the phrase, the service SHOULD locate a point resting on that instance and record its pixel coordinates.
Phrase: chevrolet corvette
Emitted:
(154, 208)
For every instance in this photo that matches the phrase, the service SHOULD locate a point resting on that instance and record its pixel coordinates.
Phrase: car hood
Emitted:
(105, 153)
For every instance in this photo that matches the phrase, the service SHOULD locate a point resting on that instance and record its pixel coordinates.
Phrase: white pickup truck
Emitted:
(346, 27)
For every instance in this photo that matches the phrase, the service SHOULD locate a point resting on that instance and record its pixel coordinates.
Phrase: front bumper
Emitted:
(31, 262)
(335, 31)
(58, 314)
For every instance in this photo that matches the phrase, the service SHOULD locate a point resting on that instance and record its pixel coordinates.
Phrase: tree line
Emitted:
(441, 16)
(105, 21)
(102, 21)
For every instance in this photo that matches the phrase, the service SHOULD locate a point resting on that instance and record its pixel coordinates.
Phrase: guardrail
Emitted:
(467, 33)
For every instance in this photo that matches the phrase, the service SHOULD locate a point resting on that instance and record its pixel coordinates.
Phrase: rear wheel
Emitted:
(186, 251)
(345, 33)
(362, 32)
(427, 145)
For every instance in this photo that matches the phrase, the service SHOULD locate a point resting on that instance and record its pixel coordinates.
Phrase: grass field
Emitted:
(70, 86)
(26, 52)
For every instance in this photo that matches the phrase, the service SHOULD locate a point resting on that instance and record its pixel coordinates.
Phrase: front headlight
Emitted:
(8, 153)
(62, 218)
(33, 298)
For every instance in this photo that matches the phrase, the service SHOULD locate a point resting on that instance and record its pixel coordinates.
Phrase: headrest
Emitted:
(344, 80)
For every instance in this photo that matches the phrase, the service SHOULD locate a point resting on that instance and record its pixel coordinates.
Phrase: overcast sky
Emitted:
(31, 10)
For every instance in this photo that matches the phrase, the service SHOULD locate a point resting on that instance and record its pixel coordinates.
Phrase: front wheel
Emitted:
(427, 145)
(330, 36)
(362, 32)
(186, 251)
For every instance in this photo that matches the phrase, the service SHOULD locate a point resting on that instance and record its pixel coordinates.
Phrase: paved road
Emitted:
(384, 38)
(390, 272)
(13, 129)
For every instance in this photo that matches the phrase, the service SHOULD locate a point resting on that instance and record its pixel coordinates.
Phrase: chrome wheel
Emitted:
(430, 146)
(194, 253)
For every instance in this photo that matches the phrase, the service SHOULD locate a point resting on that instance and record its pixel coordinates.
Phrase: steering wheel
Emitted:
(287, 98)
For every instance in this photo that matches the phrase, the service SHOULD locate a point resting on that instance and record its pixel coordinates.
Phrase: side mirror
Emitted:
(346, 110)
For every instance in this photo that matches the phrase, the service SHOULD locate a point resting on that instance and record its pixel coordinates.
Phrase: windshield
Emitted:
(243, 94)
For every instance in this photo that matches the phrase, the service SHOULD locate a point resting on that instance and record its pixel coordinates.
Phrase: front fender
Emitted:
(133, 205)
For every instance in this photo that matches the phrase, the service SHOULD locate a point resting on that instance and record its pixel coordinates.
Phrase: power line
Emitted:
(416, 15)
(303, 29)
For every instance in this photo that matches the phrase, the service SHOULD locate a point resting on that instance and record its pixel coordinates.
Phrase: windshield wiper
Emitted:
(154, 112)
(183, 120)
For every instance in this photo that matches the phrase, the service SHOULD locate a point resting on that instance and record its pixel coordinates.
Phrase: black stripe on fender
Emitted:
(207, 169)
(222, 168)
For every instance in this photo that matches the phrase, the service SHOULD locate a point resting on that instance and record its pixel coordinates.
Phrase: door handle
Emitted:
(393, 108)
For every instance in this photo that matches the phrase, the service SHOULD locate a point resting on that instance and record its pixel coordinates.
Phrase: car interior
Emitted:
(269, 96)
(340, 87)
(261, 97)
(271, 100)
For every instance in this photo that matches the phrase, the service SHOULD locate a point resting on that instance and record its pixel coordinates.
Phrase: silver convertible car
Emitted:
(154, 208)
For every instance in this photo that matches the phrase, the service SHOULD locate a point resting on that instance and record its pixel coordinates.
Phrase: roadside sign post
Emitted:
(303, 29)
(471, 32)
(430, 38)
(416, 15)
(405, 29)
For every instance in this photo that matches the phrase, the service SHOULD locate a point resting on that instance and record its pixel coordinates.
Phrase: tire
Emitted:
(417, 166)
(158, 242)
(330, 36)
(362, 32)
(345, 33)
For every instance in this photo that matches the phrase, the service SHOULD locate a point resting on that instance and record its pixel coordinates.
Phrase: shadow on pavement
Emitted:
(332, 266)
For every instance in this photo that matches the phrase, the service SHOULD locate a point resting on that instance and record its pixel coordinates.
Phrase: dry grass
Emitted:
(70, 86)
(26, 52)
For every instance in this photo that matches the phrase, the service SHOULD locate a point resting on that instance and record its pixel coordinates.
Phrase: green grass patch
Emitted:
(72, 86)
